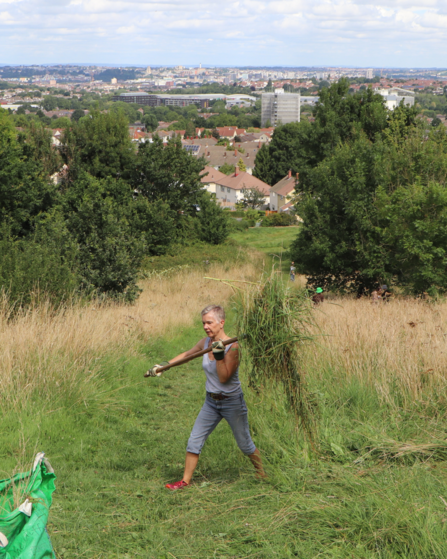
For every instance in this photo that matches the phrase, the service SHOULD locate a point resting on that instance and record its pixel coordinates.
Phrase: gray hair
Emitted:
(217, 310)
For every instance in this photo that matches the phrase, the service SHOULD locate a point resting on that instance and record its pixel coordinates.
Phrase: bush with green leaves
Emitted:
(374, 212)
(43, 265)
(212, 222)
(97, 216)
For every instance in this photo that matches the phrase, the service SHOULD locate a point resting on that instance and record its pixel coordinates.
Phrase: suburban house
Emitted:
(240, 180)
(282, 192)
(204, 142)
(229, 132)
(226, 196)
(256, 137)
(216, 156)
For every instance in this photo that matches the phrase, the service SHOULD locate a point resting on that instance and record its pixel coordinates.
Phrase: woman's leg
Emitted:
(207, 420)
(256, 460)
(235, 412)
(190, 466)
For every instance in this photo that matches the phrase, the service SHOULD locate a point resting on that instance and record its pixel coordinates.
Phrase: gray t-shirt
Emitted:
(213, 384)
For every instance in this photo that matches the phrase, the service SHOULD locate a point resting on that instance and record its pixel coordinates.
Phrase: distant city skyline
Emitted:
(288, 33)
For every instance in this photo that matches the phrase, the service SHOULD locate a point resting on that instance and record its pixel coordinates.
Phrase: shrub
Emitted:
(45, 264)
(211, 222)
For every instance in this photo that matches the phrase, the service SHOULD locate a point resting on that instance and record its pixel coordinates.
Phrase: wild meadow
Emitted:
(371, 485)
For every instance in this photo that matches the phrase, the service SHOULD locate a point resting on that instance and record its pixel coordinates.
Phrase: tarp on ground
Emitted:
(23, 533)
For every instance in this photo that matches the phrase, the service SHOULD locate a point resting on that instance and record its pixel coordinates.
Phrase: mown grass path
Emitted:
(112, 467)
(113, 457)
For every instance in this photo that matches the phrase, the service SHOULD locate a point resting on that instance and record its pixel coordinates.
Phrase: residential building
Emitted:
(255, 137)
(240, 180)
(395, 95)
(280, 108)
(230, 132)
(369, 74)
(282, 192)
(216, 156)
(226, 196)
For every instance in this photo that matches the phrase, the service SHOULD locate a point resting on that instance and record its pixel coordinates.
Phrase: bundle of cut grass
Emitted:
(273, 323)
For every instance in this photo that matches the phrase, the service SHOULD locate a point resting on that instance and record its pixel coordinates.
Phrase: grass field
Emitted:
(374, 486)
(274, 242)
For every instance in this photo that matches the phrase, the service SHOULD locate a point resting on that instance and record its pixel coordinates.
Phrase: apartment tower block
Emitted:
(280, 108)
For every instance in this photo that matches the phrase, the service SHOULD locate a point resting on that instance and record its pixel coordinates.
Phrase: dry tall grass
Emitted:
(397, 345)
(52, 354)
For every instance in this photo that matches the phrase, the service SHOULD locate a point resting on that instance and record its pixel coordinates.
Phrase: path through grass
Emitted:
(112, 464)
(360, 496)
(271, 241)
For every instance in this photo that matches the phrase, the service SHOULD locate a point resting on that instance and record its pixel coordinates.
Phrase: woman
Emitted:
(224, 397)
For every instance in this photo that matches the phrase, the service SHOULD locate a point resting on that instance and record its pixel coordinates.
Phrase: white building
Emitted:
(280, 108)
(395, 95)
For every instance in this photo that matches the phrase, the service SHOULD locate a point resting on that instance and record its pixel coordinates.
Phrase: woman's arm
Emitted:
(227, 366)
(198, 347)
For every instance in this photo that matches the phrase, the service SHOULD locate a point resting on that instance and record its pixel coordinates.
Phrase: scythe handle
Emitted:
(193, 356)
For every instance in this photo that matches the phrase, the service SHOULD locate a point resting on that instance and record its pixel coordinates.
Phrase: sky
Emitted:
(396, 33)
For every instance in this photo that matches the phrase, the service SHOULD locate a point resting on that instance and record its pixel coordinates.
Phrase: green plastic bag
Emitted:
(23, 533)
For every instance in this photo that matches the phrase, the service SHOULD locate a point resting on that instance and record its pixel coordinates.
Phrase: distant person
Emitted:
(292, 271)
(318, 297)
(224, 397)
(384, 293)
(375, 297)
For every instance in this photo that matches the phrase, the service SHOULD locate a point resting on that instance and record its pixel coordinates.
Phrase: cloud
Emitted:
(287, 32)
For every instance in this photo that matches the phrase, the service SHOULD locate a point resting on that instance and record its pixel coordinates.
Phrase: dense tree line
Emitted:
(88, 232)
(371, 192)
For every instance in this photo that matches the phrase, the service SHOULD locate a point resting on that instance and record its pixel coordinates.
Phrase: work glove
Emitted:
(153, 372)
(218, 350)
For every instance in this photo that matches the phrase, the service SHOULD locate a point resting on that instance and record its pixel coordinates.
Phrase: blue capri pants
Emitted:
(234, 410)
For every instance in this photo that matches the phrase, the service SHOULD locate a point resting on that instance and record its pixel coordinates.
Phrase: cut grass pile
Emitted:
(273, 324)
(375, 487)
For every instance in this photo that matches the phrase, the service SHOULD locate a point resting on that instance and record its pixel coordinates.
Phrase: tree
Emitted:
(150, 122)
(290, 148)
(262, 168)
(241, 165)
(24, 191)
(436, 122)
(215, 133)
(168, 173)
(190, 129)
(227, 169)
(269, 86)
(413, 229)
(212, 223)
(252, 198)
(128, 109)
(77, 114)
(338, 118)
(97, 216)
(367, 216)
(49, 103)
(36, 143)
(99, 144)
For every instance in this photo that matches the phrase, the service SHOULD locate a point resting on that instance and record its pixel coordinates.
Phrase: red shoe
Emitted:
(177, 485)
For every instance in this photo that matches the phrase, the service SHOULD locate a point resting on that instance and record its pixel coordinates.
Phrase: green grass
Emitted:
(272, 241)
(354, 498)
(113, 459)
